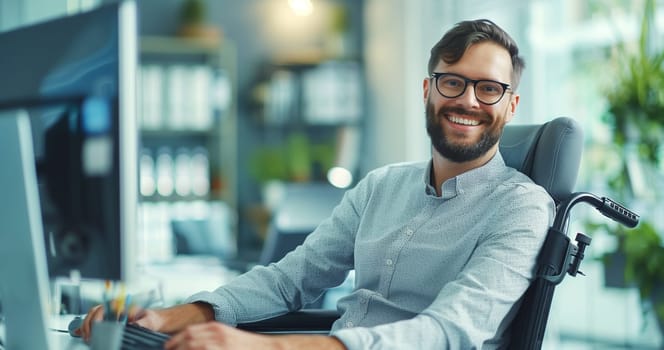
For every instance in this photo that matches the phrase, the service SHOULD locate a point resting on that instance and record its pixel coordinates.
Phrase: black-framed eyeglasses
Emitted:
(488, 92)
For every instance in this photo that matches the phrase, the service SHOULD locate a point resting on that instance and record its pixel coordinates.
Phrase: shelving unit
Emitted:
(306, 126)
(312, 114)
(188, 160)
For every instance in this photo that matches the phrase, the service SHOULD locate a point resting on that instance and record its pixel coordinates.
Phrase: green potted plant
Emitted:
(636, 101)
(636, 117)
(193, 23)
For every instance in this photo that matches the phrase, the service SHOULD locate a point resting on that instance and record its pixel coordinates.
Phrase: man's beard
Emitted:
(459, 153)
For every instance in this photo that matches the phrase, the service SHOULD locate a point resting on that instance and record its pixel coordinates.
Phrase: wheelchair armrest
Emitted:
(317, 321)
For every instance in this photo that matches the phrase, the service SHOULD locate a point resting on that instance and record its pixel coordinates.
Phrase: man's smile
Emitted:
(461, 120)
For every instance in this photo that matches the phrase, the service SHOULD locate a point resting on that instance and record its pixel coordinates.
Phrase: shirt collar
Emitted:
(468, 180)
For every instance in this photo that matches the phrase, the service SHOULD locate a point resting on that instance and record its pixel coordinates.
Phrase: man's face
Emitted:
(462, 128)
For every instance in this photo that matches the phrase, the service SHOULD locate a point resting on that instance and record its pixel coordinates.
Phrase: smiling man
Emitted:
(465, 126)
(442, 250)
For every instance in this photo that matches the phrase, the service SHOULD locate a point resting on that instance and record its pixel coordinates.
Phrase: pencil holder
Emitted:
(106, 335)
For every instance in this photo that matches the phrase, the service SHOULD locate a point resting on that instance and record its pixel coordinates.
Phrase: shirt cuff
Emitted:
(222, 310)
(353, 338)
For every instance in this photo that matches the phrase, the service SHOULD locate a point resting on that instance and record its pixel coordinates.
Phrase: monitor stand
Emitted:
(24, 288)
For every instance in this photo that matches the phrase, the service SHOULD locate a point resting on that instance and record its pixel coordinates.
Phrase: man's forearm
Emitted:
(302, 342)
(178, 317)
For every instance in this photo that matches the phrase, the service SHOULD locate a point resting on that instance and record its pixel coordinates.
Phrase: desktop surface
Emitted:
(175, 280)
(134, 337)
(63, 341)
(58, 335)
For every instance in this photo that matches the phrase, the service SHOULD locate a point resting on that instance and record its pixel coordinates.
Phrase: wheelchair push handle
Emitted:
(604, 205)
(617, 212)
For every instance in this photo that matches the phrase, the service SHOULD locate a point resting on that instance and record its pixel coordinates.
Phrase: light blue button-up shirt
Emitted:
(430, 272)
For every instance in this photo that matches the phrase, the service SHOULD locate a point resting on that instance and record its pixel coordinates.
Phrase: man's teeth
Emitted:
(462, 121)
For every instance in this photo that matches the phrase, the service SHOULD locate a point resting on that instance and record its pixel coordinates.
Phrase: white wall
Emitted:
(398, 38)
(396, 51)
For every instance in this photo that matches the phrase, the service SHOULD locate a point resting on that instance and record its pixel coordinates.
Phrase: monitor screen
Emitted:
(76, 153)
(68, 145)
(74, 76)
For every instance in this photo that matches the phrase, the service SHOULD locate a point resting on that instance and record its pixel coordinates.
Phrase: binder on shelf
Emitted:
(179, 97)
(175, 97)
(332, 93)
(186, 108)
(282, 98)
(151, 82)
(197, 95)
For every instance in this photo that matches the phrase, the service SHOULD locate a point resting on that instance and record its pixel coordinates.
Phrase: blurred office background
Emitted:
(257, 115)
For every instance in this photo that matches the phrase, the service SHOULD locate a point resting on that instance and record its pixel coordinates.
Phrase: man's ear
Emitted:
(426, 88)
(514, 102)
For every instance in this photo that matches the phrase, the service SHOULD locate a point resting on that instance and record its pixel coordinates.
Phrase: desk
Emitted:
(172, 282)
(176, 280)
(63, 341)
(58, 340)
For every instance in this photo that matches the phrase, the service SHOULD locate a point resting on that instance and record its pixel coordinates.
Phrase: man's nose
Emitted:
(468, 97)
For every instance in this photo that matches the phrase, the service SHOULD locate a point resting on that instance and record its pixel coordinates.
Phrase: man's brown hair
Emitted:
(457, 40)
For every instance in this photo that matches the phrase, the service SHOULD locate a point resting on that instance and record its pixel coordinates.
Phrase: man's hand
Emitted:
(169, 320)
(94, 315)
(217, 336)
(174, 319)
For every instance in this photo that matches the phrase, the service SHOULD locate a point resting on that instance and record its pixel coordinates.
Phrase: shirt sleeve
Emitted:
(322, 261)
(481, 302)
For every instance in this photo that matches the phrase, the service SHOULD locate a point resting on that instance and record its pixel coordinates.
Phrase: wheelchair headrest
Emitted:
(548, 153)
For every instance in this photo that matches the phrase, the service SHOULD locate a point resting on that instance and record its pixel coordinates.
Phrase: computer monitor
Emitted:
(68, 149)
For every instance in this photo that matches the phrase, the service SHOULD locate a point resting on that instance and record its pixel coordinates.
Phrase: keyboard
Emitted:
(138, 338)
